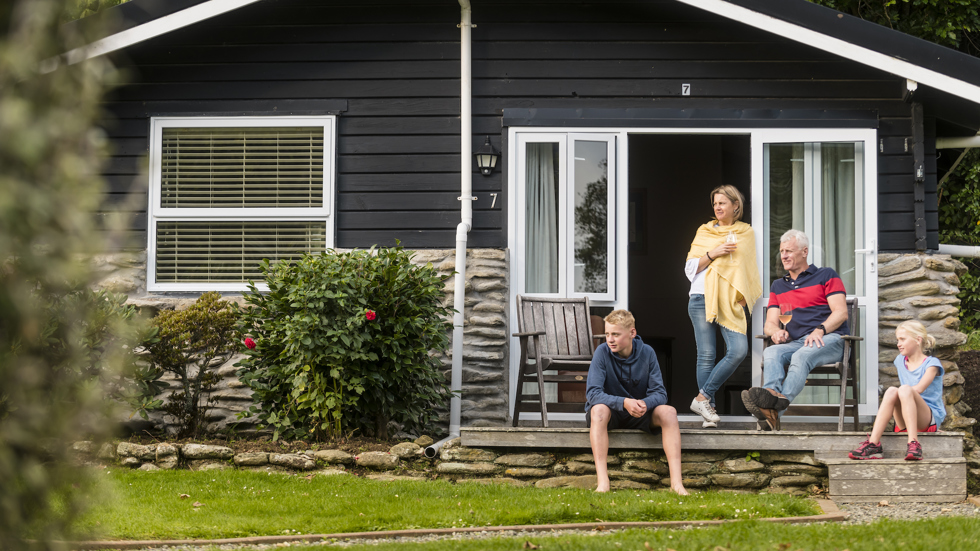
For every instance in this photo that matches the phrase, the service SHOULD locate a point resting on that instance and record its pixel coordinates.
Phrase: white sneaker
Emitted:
(705, 410)
(709, 425)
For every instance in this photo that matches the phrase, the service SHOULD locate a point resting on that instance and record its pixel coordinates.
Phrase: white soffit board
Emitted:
(157, 27)
(840, 47)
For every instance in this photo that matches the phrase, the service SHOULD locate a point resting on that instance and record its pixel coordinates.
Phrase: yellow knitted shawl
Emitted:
(729, 278)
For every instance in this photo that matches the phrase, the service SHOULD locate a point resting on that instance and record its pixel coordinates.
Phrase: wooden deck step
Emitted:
(940, 479)
(827, 444)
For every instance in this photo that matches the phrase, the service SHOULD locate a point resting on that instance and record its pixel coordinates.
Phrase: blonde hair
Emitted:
(918, 331)
(622, 318)
(733, 194)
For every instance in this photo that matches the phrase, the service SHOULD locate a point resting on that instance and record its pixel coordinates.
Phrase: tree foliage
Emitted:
(591, 229)
(951, 23)
(959, 223)
(77, 9)
(50, 158)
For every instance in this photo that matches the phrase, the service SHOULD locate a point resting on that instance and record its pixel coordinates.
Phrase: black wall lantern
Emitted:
(486, 158)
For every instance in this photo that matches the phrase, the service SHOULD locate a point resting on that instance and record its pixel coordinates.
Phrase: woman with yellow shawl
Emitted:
(724, 284)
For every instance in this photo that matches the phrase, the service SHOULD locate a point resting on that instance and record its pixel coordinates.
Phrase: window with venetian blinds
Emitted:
(230, 196)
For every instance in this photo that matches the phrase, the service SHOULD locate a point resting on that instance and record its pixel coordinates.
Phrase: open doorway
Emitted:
(670, 177)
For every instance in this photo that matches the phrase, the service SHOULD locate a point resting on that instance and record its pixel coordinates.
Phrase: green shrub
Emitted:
(346, 342)
(105, 333)
(188, 344)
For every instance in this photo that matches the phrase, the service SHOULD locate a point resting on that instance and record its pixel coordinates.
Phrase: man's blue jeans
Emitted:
(801, 361)
(711, 376)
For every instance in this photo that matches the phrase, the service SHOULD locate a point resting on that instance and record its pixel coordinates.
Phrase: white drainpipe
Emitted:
(466, 224)
(959, 250)
(956, 143)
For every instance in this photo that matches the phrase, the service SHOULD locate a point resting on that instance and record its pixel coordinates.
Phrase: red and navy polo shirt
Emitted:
(808, 295)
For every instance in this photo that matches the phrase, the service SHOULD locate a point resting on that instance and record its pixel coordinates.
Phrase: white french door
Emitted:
(568, 230)
(823, 182)
(564, 222)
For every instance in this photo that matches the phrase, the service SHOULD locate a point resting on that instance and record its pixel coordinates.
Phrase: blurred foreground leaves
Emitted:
(50, 158)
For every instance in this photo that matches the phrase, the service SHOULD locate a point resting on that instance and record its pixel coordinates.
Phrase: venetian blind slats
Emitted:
(222, 252)
(242, 167)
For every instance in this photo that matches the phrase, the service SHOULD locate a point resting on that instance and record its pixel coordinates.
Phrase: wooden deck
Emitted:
(940, 477)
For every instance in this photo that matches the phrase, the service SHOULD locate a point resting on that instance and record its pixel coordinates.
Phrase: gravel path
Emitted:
(858, 513)
(863, 513)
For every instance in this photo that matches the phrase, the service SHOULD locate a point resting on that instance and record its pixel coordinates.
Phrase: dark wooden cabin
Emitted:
(665, 100)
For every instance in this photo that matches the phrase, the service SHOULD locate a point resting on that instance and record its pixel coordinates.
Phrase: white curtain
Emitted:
(799, 195)
(541, 219)
(541, 260)
(837, 184)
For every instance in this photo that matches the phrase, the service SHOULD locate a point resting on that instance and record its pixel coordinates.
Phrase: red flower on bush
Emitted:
(370, 315)
(250, 344)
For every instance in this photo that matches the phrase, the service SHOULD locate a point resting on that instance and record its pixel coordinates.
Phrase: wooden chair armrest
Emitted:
(529, 334)
(763, 337)
(852, 338)
(567, 357)
(603, 337)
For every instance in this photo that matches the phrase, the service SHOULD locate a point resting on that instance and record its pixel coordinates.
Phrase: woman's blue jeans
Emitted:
(711, 375)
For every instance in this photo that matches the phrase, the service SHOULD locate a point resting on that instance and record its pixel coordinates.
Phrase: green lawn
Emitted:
(223, 504)
(939, 534)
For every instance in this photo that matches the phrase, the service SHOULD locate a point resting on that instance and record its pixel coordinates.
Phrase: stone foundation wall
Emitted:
(485, 332)
(923, 287)
(795, 473)
(911, 286)
(485, 348)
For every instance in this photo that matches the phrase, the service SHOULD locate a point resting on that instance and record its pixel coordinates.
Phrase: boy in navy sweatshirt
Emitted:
(625, 391)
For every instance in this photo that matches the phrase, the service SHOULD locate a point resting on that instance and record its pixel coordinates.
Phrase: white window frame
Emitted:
(155, 213)
(566, 215)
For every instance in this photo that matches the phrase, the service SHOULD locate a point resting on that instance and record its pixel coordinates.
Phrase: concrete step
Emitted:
(941, 479)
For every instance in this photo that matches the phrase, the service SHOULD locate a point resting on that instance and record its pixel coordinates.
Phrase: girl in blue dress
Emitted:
(917, 405)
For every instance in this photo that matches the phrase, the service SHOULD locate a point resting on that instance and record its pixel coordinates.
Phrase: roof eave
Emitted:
(724, 8)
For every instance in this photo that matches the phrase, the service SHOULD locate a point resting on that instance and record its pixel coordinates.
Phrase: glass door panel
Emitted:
(592, 176)
(785, 199)
(818, 188)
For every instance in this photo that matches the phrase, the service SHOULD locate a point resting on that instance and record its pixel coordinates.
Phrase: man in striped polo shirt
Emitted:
(814, 336)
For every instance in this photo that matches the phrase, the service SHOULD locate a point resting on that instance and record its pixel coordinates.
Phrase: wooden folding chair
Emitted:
(842, 374)
(555, 335)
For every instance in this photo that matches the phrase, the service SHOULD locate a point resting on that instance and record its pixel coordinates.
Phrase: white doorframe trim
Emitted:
(758, 136)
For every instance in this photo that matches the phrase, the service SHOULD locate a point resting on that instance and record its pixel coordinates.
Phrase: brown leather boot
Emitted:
(767, 398)
(772, 418)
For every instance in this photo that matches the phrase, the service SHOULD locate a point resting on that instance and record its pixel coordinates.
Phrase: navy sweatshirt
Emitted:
(612, 378)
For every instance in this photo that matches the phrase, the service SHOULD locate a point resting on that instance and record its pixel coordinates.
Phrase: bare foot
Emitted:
(680, 490)
(602, 487)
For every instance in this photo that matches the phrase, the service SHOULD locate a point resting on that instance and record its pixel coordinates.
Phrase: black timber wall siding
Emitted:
(395, 65)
